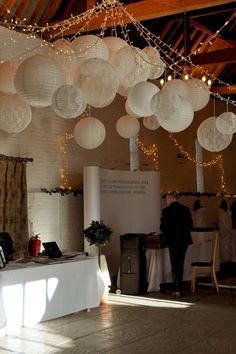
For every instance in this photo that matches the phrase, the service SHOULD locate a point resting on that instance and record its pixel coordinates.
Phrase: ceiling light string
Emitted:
(152, 151)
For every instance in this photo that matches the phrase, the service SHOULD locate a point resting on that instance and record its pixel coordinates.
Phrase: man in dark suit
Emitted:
(176, 224)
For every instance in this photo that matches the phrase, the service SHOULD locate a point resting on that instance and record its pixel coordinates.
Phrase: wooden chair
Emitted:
(207, 267)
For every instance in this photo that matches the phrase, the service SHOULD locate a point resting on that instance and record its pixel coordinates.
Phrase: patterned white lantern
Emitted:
(127, 126)
(210, 138)
(89, 46)
(129, 111)
(89, 133)
(7, 73)
(15, 114)
(226, 123)
(99, 82)
(37, 78)
(68, 101)
(199, 94)
(165, 103)
(151, 122)
(180, 119)
(131, 65)
(157, 65)
(178, 87)
(139, 98)
(114, 44)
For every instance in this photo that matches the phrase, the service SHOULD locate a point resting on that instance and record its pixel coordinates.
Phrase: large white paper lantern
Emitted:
(114, 44)
(15, 114)
(7, 73)
(180, 119)
(210, 138)
(89, 133)
(99, 82)
(89, 46)
(199, 94)
(131, 65)
(139, 98)
(129, 111)
(165, 103)
(157, 65)
(127, 126)
(37, 78)
(178, 87)
(151, 122)
(68, 101)
(226, 123)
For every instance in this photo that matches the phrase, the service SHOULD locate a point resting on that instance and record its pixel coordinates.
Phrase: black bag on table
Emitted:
(7, 245)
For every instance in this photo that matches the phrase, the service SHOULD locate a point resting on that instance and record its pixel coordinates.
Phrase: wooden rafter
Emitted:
(215, 57)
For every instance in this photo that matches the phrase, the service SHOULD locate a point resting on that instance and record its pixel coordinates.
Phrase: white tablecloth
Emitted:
(158, 260)
(35, 293)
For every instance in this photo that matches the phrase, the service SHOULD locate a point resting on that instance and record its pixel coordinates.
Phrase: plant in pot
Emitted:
(98, 234)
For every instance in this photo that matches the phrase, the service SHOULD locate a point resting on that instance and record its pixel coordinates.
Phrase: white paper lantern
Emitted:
(226, 123)
(122, 91)
(157, 65)
(180, 119)
(7, 73)
(131, 65)
(199, 94)
(210, 138)
(89, 46)
(98, 80)
(127, 126)
(68, 101)
(114, 44)
(178, 87)
(36, 80)
(89, 133)
(139, 98)
(165, 103)
(129, 111)
(151, 122)
(15, 114)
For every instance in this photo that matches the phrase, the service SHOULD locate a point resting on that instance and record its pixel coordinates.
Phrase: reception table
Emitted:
(31, 293)
(158, 261)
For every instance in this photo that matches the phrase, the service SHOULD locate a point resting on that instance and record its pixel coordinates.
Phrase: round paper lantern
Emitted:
(226, 123)
(89, 46)
(139, 98)
(210, 138)
(127, 126)
(68, 101)
(157, 65)
(131, 65)
(37, 78)
(122, 92)
(99, 82)
(180, 119)
(165, 103)
(7, 73)
(114, 44)
(151, 122)
(199, 94)
(129, 111)
(178, 87)
(89, 133)
(15, 114)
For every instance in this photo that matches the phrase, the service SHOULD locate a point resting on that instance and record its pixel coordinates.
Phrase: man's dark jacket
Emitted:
(176, 224)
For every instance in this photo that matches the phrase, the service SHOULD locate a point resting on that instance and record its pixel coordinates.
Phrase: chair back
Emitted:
(215, 241)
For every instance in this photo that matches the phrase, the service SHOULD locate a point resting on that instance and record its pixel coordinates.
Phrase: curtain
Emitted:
(13, 201)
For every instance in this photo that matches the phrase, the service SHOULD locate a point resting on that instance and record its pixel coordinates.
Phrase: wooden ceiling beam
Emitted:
(224, 90)
(215, 57)
(145, 10)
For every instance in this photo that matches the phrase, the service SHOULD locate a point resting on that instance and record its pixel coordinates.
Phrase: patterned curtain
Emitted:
(13, 200)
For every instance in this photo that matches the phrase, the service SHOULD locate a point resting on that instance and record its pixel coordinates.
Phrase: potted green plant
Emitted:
(98, 234)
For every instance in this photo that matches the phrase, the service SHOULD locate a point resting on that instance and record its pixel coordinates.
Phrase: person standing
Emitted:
(199, 214)
(176, 224)
(225, 228)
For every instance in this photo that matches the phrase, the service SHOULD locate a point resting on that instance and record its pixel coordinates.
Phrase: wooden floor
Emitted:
(156, 323)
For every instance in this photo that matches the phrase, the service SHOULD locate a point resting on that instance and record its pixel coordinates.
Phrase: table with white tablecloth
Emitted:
(35, 292)
(158, 260)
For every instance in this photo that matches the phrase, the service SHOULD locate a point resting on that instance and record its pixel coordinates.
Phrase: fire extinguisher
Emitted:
(34, 246)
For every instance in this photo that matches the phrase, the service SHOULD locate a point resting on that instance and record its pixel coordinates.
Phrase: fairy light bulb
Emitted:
(204, 78)
(162, 81)
(169, 78)
(186, 77)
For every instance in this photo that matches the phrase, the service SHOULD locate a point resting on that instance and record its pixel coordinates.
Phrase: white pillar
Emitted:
(199, 169)
(134, 157)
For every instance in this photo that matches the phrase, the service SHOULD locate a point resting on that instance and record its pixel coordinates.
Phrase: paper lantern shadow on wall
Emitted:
(37, 78)
(15, 114)
(127, 127)
(89, 133)
(210, 138)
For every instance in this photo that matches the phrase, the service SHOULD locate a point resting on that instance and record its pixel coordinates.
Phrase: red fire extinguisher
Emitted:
(34, 246)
